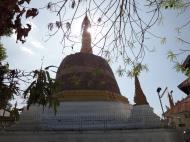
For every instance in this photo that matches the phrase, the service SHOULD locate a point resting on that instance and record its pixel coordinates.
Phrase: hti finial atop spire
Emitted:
(140, 98)
(86, 37)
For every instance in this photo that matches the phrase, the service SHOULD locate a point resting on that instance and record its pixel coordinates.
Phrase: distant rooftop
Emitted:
(186, 63)
(185, 86)
(182, 106)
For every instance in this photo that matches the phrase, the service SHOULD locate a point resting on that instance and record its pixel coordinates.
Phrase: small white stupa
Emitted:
(142, 115)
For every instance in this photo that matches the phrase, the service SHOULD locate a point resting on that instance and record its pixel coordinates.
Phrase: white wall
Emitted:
(146, 135)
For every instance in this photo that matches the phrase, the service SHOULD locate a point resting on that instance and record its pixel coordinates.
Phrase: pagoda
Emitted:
(91, 107)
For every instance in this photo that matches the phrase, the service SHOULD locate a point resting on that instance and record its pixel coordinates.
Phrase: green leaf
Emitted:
(173, 4)
(28, 90)
(120, 71)
(178, 67)
(163, 40)
(48, 76)
(2, 52)
(136, 70)
(171, 56)
(68, 26)
(41, 90)
(73, 4)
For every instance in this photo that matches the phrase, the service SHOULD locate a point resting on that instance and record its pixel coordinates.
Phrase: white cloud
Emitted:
(26, 50)
(36, 44)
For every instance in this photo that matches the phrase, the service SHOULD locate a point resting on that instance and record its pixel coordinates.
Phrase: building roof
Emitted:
(185, 86)
(182, 106)
(186, 63)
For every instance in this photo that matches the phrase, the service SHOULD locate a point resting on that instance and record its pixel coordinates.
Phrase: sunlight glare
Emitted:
(90, 30)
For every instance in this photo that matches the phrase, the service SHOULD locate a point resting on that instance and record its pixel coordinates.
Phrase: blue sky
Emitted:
(29, 56)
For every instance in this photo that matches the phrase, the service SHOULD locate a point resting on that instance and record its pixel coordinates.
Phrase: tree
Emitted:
(119, 23)
(183, 6)
(2, 52)
(122, 27)
(40, 91)
(12, 12)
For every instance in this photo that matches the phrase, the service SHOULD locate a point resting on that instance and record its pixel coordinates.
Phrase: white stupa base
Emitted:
(89, 116)
(142, 116)
(76, 116)
(94, 122)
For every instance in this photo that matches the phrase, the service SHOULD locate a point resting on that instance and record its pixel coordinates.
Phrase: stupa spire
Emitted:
(140, 98)
(86, 37)
(171, 100)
